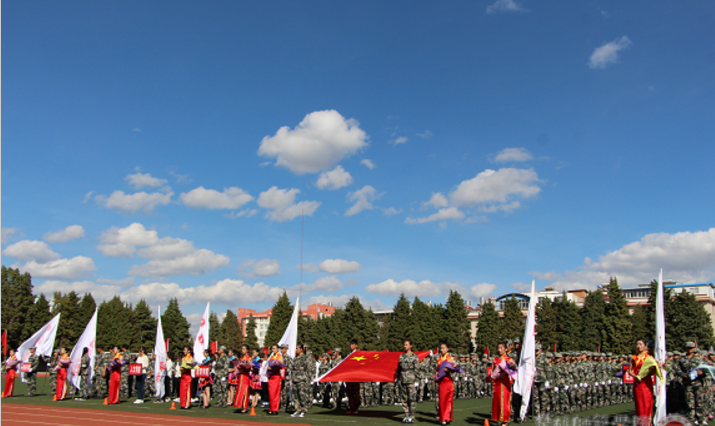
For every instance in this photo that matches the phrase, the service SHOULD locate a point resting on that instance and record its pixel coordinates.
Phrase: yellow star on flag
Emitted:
(358, 358)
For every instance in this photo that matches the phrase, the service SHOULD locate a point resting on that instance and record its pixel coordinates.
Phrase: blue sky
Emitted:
(171, 146)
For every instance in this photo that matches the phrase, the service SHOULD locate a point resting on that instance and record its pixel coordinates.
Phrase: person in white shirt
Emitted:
(142, 359)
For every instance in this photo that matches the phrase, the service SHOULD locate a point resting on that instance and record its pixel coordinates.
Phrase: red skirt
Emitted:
(115, 380)
(643, 397)
(9, 383)
(501, 401)
(61, 391)
(274, 392)
(446, 399)
(242, 391)
(185, 390)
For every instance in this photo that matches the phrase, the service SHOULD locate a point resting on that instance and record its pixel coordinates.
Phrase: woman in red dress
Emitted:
(503, 372)
(115, 375)
(275, 365)
(446, 365)
(243, 382)
(11, 371)
(62, 365)
(187, 364)
(643, 382)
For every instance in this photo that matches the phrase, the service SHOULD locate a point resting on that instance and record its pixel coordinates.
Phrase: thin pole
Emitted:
(302, 233)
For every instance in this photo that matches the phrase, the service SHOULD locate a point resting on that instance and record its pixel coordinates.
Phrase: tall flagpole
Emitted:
(660, 353)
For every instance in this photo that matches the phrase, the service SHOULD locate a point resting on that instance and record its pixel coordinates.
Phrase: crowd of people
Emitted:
(248, 378)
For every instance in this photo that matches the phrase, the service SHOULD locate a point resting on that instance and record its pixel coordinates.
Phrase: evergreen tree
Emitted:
(546, 324)
(280, 317)
(230, 334)
(305, 330)
(440, 334)
(617, 336)
(512, 325)
(385, 332)
(114, 325)
(423, 328)
(592, 317)
(176, 327)
(39, 314)
(70, 327)
(251, 339)
(569, 324)
(17, 300)
(400, 325)
(370, 340)
(144, 326)
(488, 329)
(86, 309)
(639, 323)
(354, 322)
(456, 324)
(214, 328)
(692, 322)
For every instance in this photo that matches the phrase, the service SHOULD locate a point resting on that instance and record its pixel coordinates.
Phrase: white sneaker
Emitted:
(194, 400)
(294, 414)
(177, 400)
(301, 415)
(139, 401)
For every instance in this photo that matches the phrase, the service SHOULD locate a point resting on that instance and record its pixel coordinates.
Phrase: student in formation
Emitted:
(407, 377)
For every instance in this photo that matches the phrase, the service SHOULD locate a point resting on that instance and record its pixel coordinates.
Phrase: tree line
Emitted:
(600, 324)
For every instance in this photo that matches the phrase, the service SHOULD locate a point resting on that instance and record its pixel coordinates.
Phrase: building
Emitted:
(263, 319)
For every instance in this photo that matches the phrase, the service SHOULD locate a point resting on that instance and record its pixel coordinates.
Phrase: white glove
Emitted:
(547, 385)
(585, 384)
(603, 383)
(426, 380)
(566, 387)
(556, 389)
(223, 379)
(417, 385)
(609, 382)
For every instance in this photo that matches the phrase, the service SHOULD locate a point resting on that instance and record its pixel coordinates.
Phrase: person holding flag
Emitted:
(446, 365)
(643, 367)
(115, 377)
(62, 365)
(503, 371)
(187, 364)
(84, 369)
(407, 377)
(275, 365)
(11, 369)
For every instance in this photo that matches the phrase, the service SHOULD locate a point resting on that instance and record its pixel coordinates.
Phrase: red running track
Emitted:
(20, 414)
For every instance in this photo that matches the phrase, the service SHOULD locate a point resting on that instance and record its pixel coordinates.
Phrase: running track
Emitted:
(41, 415)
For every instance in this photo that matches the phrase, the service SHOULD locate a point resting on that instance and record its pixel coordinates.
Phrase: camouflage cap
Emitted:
(336, 350)
(558, 355)
(549, 355)
(689, 345)
(609, 354)
(485, 356)
(538, 346)
(677, 353)
(669, 353)
(517, 340)
(325, 355)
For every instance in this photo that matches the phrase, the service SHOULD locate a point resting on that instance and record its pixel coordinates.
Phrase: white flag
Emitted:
(660, 353)
(43, 340)
(160, 361)
(290, 337)
(202, 339)
(86, 340)
(527, 363)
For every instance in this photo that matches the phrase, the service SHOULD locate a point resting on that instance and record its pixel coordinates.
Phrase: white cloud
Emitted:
(132, 203)
(34, 250)
(513, 154)
(546, 276)
(363, 199)
(308, 267)
(69, 233)
(60, 269)
(505, 6)
(368, 163)
(482, 290)
(411, 288)
(231, 198)
(426, 135)
(197, 262)
(142, 180)
(608, 53)
(122, 242)
(87, 196)
(398, 140)
(224, 292)
(442, 214)
(687, 257)
(334, 179)
(497, 187)
(324, 284)
(321, 140)
(281, 207)
(167, 248)
(339, 266)
(391, 211)
(245, 212)
(8, 234)
(99, 292)
(261, 268)
(181, 178)
(124, 283)
(117, 250)
(437, 201)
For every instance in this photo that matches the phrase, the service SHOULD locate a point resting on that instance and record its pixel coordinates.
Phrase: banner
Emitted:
(202, 339)
(160, 349)
(43, 340)
(290, 337)
(660, 353)
(367, 366)
(527, 362)
(135, 369)
(86, 340)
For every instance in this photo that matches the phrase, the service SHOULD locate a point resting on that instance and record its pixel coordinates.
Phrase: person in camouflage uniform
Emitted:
(124, 380)
(406, 375)
(53, 371)
(286, 384)
(99, 382)
(323, 387)
(301, 368)
(423, 376)
(687, 365)
(220, 385)
(335, 386)
(84, 369)
(31, 376)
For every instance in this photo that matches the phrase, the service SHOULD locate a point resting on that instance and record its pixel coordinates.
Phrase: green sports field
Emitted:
(473, 411)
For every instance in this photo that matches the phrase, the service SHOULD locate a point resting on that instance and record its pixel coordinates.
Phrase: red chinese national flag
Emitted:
(367, 366)
(214, 347)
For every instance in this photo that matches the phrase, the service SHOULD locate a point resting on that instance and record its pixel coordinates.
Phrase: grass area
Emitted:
(471, 411)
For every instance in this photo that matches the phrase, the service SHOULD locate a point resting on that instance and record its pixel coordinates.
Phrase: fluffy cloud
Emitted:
(339, 266)
(323, 284)
(8, 234)
(482, 290)
(197, 262)
(368, 163)
(410, 288)
(363, 199)
(231, 198)
(334, 179)
(125, 282)
(139, 180)
(69, 233)
(513, 154)
(391, 211)
(321, 140)
(261, 268)
(505, 6)
(281, 207)
(34, 250)
(60, 269)
(224, 292)
(687, 257)
(307, 267)
(99, 292)
(398, 140)
(167, 248)
(608, 53)
(442, 214)
(437, 201)
(132, 203)
(122, 242)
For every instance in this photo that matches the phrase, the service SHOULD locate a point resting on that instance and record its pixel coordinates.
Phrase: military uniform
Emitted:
(220, 385)
(286, 385)
(407, 378)
(124, 379)
(335, 386)
(301, 368)
(31, 376)
(53, 373)
(99, 384)
(84, 369)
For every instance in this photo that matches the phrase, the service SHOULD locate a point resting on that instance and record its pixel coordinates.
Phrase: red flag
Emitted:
(486, 351)
(265, 350)
(4, 343)
(167, 344)
(214, 347)
(367, 366)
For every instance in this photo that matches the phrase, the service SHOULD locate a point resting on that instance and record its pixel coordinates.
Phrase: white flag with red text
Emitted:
(86, 340)
(43, 340)
(160, 361)
(202, 338)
